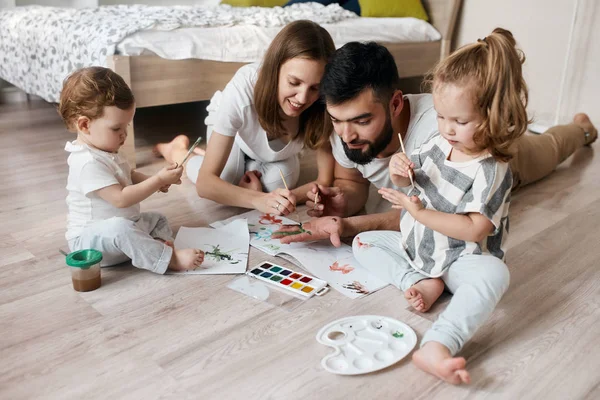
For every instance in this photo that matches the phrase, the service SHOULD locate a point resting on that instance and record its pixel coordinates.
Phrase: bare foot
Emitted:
(435, 358)
(423, 294)
(186, 259)
(583, 121)
(173, 150)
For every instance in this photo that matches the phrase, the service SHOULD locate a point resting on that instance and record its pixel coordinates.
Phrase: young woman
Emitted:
(257, 126)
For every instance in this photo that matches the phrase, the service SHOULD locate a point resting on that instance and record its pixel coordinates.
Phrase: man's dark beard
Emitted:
(384, 138)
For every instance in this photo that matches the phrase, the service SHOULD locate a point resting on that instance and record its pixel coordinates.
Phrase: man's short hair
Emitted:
(357, 66)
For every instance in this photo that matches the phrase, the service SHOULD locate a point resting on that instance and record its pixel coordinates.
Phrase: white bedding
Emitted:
(247, 43)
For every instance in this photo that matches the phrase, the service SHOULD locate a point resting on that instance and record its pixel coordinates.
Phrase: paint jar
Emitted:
(85, 269)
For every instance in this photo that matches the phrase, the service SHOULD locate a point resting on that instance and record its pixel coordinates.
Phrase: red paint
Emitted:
(285, 282)
(295, 276)
(306, 279)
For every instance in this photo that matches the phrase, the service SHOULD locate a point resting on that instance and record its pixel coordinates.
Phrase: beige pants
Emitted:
(538, 155)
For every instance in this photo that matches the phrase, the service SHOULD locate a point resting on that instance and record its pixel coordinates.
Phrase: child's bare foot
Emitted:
(186, 259)
(435, 358)
(171, 150)
(423, 294)
(583, 121)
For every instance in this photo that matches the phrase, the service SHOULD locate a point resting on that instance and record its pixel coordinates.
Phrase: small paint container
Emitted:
(85, 269)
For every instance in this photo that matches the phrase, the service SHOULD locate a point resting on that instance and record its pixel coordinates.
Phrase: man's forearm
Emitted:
(388, 221)
(356, 195)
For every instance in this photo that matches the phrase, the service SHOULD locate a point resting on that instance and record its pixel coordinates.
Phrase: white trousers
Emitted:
(477, 283)
(120, 239)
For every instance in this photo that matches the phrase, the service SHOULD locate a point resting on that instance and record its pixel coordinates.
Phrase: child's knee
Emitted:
(497, 277)
(117, 226)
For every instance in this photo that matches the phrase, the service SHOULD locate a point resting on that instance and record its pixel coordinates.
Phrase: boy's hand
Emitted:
(398, 199)
(164, 188)
(401, 166)
(170, 175)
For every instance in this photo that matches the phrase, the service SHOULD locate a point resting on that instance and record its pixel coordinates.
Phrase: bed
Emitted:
(169, 66)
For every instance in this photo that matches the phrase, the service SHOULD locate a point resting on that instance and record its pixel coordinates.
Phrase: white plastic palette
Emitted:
(365, 343)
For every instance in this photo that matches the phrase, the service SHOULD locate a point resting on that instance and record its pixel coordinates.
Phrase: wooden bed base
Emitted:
(157, 81)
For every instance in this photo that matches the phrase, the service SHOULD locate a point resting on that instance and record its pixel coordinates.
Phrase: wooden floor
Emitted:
(146, 336)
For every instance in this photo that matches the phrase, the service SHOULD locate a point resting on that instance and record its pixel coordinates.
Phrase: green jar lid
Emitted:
(84, 258)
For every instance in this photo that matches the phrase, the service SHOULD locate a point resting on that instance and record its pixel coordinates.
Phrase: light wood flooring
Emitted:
(146, 336)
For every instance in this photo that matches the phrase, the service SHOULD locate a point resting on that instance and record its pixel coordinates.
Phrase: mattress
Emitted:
(247, 43)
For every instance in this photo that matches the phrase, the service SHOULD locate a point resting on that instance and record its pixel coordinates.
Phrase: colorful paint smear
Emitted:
(344, 269)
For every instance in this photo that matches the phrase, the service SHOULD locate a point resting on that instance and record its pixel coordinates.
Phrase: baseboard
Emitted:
(11, 94)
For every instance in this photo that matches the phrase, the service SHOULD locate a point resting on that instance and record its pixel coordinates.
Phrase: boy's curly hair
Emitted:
(88, 90)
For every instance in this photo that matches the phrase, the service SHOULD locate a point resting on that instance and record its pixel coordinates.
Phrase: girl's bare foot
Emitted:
(435, 359)
(186, 259)
(174, 151)
(423, 294)
(583, 121)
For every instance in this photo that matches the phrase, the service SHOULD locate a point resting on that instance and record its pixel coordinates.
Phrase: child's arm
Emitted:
(400, 168)
(123, 197)
(137, 177)
(472, 227)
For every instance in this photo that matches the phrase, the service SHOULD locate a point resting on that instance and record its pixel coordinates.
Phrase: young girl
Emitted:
(455, 221)
(260, 122)
(104, 194)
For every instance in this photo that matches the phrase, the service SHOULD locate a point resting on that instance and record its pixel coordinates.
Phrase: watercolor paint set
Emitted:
(287, 279)
(278, 285)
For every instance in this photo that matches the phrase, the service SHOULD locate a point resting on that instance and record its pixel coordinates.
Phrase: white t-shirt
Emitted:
(90, 170)
(421, 127)
(481, 185)
(232, 113)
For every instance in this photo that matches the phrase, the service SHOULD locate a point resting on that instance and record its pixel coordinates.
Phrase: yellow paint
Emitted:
(296, 285)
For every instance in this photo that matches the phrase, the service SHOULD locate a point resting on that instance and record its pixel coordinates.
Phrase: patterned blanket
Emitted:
(40, 46)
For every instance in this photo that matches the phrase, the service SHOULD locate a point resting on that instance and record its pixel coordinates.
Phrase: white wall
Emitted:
(542, 28)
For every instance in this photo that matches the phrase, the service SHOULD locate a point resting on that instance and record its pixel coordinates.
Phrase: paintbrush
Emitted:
(287, 188)
(196, 143)
(404, 151)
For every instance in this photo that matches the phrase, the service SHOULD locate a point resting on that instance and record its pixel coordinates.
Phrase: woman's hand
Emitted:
(278, 202)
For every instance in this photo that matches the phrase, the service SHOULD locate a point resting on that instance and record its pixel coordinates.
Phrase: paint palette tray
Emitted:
(279, 286)
(365, 343)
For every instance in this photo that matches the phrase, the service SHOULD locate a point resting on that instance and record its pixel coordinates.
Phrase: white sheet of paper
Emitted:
(336, 265)
(261, 226)
(225, 248)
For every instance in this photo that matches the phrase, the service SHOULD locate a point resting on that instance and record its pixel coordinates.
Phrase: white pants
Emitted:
(120, 239)
(477, 282)
(239, 162)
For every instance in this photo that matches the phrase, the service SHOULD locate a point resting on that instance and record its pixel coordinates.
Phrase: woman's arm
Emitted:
(210, 185)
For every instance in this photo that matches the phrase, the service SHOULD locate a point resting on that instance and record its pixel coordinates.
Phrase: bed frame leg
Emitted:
(120, 64)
